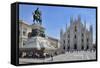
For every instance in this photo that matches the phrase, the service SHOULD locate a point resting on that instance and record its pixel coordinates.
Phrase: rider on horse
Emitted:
(37, 16)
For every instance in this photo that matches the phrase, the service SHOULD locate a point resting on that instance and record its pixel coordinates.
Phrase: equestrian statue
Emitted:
(37, 16)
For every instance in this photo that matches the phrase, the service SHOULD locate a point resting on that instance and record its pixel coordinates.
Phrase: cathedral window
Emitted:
(64, 47)
(68, 41)
(75, 46)
(64, 42)
(82, 47)
(87, 47)
(82, 35)
(82, 40)
(75, 29)
(68, 47)
(75, 36)
(68, 36)
(87, 39)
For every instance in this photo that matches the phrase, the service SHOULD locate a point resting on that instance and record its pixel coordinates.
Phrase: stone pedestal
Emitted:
(38, 30)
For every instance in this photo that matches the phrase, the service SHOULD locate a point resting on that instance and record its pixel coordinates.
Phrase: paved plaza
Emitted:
(68, 56)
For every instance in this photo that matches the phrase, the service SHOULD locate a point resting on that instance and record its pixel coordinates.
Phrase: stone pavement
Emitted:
(68, 56)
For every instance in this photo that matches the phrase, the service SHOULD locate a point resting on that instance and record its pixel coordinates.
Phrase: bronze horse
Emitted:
(37, 16)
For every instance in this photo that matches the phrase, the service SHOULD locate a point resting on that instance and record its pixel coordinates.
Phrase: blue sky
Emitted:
(55, 18)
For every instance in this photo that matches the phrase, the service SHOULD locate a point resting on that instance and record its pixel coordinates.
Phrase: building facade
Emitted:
(24, 30)
(76, 36)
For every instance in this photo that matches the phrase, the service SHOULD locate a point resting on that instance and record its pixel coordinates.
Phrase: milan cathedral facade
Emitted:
(76, 36)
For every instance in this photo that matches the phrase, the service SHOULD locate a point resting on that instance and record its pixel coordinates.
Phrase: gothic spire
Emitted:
(91, 28)
(66, 28)
(71, 19)
(79, 18)
(85, 23)
(61, 32)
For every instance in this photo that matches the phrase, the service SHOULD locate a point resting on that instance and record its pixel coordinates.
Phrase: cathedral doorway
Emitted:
(82, 48)
(68, 48)
(87, 47)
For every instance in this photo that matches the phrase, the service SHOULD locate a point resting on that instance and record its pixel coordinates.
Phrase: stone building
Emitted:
(76, 36)
(24, 30)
